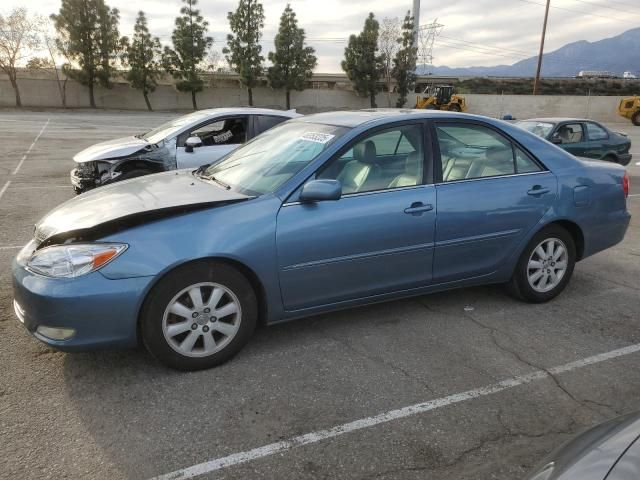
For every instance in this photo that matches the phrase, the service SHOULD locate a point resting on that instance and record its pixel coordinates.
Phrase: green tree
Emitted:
(361, 61)
(40, 63)
(293, 63)
(190, 47)
(243, 50)
(18, 36)
(404, 63)
(142, 55)
(88, 33)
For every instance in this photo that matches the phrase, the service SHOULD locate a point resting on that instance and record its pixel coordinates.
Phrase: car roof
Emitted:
(556, 119)
(250, 111)
(354, 118)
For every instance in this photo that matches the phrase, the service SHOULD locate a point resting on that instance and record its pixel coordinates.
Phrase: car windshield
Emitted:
(272, 158)
(542, 129)
(173, 126)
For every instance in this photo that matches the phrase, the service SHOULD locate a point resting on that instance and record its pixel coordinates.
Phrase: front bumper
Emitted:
(103, 312)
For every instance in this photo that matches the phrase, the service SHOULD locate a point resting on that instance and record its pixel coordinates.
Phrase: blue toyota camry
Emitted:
(320, 213)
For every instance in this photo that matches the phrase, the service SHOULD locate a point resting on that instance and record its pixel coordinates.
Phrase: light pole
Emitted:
(536, 82)
(416, 21)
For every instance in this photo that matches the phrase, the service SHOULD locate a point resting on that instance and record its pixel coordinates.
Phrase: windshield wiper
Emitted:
(200, 174)
(201, 169)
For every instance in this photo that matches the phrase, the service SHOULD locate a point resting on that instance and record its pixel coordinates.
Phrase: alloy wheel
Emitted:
(201, 319)
(547, 265)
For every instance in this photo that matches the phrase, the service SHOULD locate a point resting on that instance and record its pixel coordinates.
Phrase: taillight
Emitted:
(625, 185)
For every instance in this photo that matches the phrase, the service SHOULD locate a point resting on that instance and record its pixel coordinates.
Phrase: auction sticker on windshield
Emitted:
(317, 137)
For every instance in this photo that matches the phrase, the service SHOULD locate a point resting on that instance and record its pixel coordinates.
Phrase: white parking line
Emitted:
(315, 437)
(24, 157)
(31, 187)
(11, 247)
(635, 195)
(4, 188)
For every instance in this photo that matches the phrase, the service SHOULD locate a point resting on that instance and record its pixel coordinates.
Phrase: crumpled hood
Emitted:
(132, 200)
(120, 147)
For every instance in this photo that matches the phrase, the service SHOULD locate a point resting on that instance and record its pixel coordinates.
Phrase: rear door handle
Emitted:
(417, 208)
(538, 190)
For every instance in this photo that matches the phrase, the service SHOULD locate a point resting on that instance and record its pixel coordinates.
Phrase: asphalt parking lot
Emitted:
(469, 384)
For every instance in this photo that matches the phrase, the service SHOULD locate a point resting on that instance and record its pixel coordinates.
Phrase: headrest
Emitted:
(412, 163)
(365, 152)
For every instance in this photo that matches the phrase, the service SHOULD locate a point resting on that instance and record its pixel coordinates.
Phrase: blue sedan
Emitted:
(320, 213)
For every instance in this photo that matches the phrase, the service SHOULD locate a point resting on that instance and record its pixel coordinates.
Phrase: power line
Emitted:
(505, 49)
(595, 4)
(580, 11)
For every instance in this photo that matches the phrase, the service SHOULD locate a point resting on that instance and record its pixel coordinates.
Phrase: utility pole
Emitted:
(416, 22)
(536, 82)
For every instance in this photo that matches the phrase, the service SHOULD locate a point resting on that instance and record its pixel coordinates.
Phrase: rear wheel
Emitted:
(545, 266)
(199, 316)
(611, 158)
(635, 118)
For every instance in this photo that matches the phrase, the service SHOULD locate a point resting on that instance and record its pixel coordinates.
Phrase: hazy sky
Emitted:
(476, 32)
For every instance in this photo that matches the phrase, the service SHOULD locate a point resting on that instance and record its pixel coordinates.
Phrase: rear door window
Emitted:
(265, 122)
(469, 151)
(596, 132)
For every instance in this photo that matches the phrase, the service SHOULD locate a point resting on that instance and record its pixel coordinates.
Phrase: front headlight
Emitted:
(74, 259)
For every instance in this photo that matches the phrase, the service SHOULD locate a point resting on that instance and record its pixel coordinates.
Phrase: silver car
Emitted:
(196, 139)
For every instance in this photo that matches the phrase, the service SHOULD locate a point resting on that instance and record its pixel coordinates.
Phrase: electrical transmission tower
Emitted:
(426, 38)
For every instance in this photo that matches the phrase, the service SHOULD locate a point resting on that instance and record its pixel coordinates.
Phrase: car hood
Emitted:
(128, 203)
(120, 147)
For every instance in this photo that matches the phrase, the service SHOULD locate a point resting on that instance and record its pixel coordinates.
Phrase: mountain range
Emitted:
(616, 54)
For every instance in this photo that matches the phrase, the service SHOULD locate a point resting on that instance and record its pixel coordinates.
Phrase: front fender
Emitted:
(243, 232)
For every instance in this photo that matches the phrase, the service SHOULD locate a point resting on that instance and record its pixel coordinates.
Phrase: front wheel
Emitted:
(635, 118)
(545, 266)
(199, 316)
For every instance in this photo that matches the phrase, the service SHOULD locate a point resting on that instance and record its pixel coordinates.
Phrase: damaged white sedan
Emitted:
(190, 141)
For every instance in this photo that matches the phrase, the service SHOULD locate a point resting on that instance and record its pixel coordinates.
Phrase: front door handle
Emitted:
(538, 190)
(418, 208)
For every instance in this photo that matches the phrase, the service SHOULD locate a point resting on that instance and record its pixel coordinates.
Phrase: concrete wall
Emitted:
(41, 91)
(604, 109)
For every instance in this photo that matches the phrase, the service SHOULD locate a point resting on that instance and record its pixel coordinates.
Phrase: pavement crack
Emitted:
(494, 333)
(380, 361)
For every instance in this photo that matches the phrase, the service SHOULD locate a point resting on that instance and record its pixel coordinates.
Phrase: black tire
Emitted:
(610, 158)
(519, 284)
(164, 293)
(431, 107)
(635, 118)
(135, 173)
(455, 107)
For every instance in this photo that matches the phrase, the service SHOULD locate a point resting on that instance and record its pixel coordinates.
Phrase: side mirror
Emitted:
(556, 139)
(191, 143)
(321, 190)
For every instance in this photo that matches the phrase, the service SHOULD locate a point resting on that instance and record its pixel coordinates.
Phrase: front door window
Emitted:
(228, 131)
(386, 159)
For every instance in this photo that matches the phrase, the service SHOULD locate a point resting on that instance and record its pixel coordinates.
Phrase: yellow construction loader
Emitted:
(441, 97)
(630, 108)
